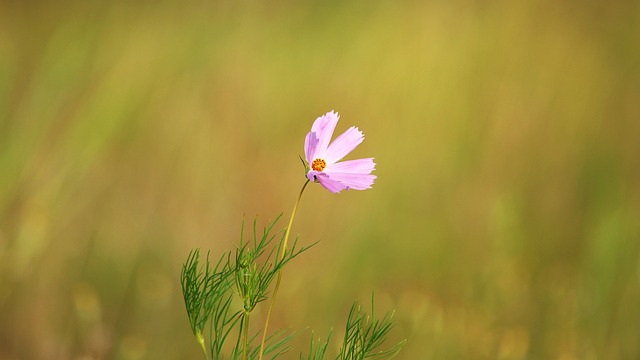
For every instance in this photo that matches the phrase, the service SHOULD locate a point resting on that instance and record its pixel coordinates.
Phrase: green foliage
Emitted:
(276, 345)
(364, 335)
(252, 279)
(205, 293)
(221, 325)
(317, 348)
(209, 293)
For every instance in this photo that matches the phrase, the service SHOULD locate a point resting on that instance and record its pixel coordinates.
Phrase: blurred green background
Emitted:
(504, 223)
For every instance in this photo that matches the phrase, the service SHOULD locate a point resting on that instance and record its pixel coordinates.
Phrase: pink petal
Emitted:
(351, 181)
(330, 184)
(310, 145)
(311, 175)
(359, 166)
(343, 144)
(323, 128)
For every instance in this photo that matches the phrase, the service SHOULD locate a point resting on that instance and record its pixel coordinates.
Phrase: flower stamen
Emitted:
(318, 164)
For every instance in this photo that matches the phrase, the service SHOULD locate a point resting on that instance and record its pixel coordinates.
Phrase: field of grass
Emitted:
(504, 223)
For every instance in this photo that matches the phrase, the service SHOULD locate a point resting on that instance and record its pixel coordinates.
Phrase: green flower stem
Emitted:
(246, 335)
(284, 250)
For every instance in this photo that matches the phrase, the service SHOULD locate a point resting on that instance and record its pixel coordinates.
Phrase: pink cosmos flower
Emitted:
(324, 158)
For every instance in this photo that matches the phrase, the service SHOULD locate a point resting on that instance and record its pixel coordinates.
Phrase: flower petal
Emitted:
(359, 166)
(330, 184)
(343, 144)
(310, 145)
(351, 181)
(311, 175)
(323, 128)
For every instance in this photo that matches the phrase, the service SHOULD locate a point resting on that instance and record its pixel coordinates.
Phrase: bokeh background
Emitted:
(504, 223)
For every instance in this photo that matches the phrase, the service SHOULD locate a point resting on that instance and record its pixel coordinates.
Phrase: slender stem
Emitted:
(284, 251)
(246, 335)
(293, 215)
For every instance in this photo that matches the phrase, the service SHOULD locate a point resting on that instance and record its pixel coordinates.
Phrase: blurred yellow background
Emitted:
(504, 223)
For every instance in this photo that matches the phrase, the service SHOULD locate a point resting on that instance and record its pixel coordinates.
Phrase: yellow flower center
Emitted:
(318, 164)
